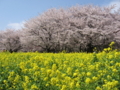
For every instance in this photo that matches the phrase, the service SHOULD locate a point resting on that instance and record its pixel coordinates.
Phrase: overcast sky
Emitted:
(14, 13)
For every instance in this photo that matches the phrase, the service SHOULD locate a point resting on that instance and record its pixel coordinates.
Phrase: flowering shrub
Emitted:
(60, 71)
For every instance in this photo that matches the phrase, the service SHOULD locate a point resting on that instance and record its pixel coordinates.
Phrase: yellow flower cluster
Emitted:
(61, 71)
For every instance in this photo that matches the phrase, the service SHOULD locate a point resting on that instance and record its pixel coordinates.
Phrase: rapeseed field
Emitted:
(60, 71)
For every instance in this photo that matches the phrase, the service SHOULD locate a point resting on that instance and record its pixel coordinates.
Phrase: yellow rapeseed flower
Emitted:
(109, 49)
(88, 73)
(54, 67)
(54, 81)
(34, 87)
(46, 78)
(12, 73)
(88, 80)
(72, 84)
(94, 78)
(26, 79)
(68, 79)
(98, 88)
(75, 74)
(35, 68)
(5, 81)
(47, 84)
(69, 71)
(64, 87)
(108, 77)
(49, 71)
(115, 70)
(112, 43)
(17, 78)
(77, 85)
(110, 56)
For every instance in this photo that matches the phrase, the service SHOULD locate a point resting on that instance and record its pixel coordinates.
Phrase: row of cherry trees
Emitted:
(79, 28)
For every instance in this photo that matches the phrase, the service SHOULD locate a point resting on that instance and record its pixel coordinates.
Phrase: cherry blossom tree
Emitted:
(10, 40)
(75, 29)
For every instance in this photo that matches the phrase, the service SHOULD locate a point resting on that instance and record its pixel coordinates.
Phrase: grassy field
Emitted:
(60, 71)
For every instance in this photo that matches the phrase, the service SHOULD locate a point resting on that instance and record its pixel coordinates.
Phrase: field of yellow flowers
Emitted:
(60, 71)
